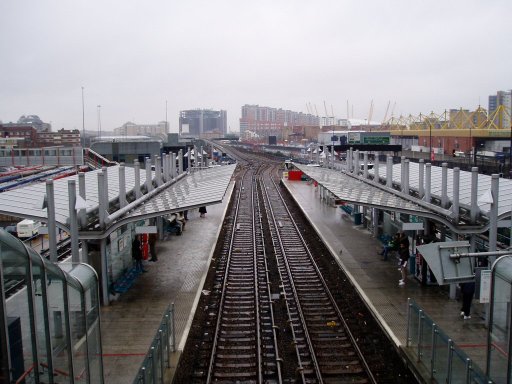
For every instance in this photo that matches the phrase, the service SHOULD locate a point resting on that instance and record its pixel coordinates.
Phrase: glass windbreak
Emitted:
(119, 253)
(440, 356)
(16, 272)
(499, 330)
(78, 333)
(59, 324)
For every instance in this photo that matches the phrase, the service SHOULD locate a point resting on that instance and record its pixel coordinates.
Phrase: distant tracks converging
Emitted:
(275, 320)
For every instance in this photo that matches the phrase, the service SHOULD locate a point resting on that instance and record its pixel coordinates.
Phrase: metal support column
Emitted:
(421, 177)
(136, 170)
(52, 226)
(428, 182)
(444, 185)
(73, 221)
(149, 175)
(122, 186)
(389, 171)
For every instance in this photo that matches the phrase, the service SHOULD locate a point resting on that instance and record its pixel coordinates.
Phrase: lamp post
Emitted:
(166, 128)
(83, 119)
(99, 121)
(430, 137)
(510, 155)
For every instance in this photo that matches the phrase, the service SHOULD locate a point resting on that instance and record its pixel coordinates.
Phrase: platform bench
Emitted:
(347, 208)
(124, 283)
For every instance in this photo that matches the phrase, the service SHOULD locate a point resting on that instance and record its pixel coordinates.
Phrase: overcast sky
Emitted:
(133, 56)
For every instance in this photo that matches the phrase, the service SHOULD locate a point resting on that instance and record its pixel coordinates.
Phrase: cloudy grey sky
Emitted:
(131, 56)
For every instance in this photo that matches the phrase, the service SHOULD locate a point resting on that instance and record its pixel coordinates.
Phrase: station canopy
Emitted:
(200, 187)
(354, 190)
(484, 186)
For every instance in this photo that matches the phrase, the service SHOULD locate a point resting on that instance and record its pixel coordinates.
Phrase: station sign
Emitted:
(146, 229)
(376, 140)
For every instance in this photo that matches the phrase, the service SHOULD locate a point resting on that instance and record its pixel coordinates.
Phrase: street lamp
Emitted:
(83, 119)
(510, 153)
(99, 121)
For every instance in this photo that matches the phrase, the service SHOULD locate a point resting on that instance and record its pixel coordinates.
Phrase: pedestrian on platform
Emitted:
(152, 246)
(137, 254)
(404, 260)
(467, 291)
(180, 218)
(403, 238)
(185, 214)
(392, 245)
(202, 211)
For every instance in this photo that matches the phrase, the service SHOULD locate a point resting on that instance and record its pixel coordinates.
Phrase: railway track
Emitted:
(326, 349)
(270, 316)
(244, 345)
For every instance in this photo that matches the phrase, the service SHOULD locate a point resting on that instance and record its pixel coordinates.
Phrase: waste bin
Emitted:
(412, 265)
(358, 218)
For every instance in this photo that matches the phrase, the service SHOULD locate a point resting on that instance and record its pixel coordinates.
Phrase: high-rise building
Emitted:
(500, 107)
(203, 122)
(267, 121)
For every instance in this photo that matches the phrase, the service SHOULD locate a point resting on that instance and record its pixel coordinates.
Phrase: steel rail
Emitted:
(327, 291)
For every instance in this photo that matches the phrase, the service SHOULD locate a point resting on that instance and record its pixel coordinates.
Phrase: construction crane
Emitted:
(370, 114)
(386, 114)
(307, 108)
(326, 114)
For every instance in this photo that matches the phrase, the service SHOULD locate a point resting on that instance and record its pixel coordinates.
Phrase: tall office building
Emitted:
(203, 122)
(502, 116)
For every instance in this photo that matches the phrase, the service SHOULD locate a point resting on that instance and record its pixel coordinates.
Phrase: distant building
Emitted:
(203, 123)
(34, 121)
(63, 137)
(500, 107)
(267, 121)
(158, 130)
(23, 136)
(126, 148)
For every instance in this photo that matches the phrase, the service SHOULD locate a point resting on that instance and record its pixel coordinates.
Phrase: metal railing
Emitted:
(158, 358)
(445, 361)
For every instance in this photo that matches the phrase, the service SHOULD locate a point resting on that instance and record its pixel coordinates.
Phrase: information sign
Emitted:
(485, 286)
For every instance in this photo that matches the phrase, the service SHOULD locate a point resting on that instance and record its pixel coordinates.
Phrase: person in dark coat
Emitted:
(404, 260)
(137, 254)
(467, 291)
(202, 211)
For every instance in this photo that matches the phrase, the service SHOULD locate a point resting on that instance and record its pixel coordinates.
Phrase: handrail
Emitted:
(158, 358)
(437, 352)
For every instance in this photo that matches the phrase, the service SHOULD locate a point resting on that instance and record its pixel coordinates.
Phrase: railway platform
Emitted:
(356, 250)
(129, 323)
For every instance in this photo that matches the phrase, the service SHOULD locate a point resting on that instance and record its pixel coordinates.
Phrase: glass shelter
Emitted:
(49, 318)
(499, 366)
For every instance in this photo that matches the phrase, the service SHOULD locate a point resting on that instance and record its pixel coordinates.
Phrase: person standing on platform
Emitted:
(180, 218)
(404, 260)
(202, 211)
(392, 245)
(467, 291)
(152, 246)
(137, 254)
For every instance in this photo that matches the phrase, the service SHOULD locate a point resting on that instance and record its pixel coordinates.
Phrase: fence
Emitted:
(446, 362)
(158, 358)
